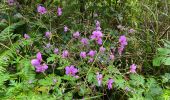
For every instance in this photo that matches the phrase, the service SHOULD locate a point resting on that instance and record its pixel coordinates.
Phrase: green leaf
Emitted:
(136, 80)
(166, 94)
(120, 82)
(166, 78)
(48, 81)
(68, 96)
(157, 61)
(63, 63)
(51, 59)
(90, 77)
(68, 77)
(163, 51)
(167, 61)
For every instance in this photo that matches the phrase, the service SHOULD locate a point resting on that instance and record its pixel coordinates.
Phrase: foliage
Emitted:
(162, 56)
(143, 24)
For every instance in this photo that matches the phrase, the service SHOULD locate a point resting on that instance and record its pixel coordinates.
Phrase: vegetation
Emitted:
(85, 49)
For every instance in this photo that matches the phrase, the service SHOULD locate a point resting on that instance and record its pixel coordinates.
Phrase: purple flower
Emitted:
(97, 23)
(127, 89)
(98, 28)
(65, 28)
(99, 41)
(84, 41)
(56, 50)
(39, 56)
(48, 34)
(123, 40)
(11, 2)
(90, 60)
(35, 62)
(41, 68)
(120, 50)
(76, 34)
(133, 68)
(102, 49)
(112, 57)
(109, 83)
(65, 54)
(71, 70)
(131, 30)
(76, 76)
(99, 78)
(123, 43)
(83, 54)
(91, 53)
(96, 35)
(26, 36)
(41, 10)
(48, 45)
(59, 11)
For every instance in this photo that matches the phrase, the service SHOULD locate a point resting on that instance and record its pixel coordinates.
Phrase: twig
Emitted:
(164, 32)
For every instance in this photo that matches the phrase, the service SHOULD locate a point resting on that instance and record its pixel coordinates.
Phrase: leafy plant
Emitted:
(163, 55)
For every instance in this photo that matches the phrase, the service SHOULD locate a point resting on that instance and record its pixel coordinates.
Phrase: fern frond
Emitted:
(7, 55)
(7, 32)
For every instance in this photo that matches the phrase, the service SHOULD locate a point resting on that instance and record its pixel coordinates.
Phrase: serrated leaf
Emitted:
(51, 59)
(136, 80)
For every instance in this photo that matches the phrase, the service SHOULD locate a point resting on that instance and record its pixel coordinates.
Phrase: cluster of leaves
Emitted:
(163, 55)
(20, 81)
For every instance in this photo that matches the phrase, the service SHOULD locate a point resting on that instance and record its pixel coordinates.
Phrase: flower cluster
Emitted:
(37, 63)
(97, 34)
(122, 44)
